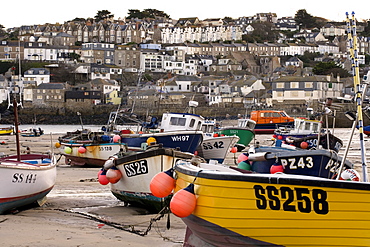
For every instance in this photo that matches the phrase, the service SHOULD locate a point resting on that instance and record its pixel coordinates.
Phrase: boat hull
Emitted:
(186, 141)
(245, 135)
(234, 209)
(269, 128)
(94, 155)
(23, 183)
(138, 170)
(318, 163)
(216, 148)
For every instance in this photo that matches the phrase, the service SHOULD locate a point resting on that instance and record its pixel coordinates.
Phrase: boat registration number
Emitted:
(291, 199)
(214, 145)
(136, 168)
(23, 178)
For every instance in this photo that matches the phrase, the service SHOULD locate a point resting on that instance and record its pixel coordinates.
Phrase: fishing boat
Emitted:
(233, 208)
(137, 169)
(268, 120)
(307, 132)
(244, 130)
(215, 146)
(311, 162)
(89, 148)
(7, 130)
(31, 132)
(25, 179)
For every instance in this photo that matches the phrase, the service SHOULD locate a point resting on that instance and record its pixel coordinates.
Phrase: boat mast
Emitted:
(16, 128)
(352, 38)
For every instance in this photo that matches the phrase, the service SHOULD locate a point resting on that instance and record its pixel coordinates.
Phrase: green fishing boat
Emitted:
(244, 130)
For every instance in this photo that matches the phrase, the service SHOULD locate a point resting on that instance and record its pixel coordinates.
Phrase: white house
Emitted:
(36, 76)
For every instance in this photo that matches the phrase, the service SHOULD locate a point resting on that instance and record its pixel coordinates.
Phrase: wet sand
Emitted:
(81, 212)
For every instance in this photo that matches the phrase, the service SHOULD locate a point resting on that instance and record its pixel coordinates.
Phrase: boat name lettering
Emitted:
(298, 162)
(180, 138)
(288, 199)
(23, 178)
(105, 148)
(214, 145)
(136, 168)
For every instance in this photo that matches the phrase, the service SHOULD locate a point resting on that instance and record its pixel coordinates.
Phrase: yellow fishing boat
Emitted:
(240, 209)
(6, 130)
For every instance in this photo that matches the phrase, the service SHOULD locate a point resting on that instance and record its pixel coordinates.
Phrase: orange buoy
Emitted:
(102, 177)
(242, 157)
(276, 168)
(183, 202)
(162, 184)
(304, 145)
(280, 137)
(82, 150)
(113, 175)
(57, 145)
(234, 150)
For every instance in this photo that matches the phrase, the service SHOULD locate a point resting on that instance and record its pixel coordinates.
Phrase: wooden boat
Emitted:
(244, 130)
(308, 131)
(25, 178)
(314, 162)
(250, 209)
(267, 120)
(7, 130)
(137, 169)
(32, 132)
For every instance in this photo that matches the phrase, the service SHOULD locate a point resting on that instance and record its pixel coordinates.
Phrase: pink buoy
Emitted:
(116, 138)
(242, 157)
(113, 175)
(102, 177)
(82, 150)
(183, 202)
(162, 184)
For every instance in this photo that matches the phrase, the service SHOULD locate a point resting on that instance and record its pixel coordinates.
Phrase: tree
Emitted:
(103, 15)
(146, 13)
(263, 32)
(305, 20)
(327, 68)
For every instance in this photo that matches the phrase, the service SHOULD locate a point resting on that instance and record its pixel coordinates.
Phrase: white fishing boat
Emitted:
(25, 178)
(137, 169)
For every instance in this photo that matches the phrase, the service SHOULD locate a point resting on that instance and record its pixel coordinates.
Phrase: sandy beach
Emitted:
(81, 212)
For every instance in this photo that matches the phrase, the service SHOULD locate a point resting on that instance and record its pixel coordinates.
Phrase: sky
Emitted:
(42, 11)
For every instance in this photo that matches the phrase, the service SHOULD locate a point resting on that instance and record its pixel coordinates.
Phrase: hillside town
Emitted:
(161, 63)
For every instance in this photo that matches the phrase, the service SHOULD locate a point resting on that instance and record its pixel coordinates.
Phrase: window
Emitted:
(294, 84)
(280, 85)
(308, 84)
(177, 121)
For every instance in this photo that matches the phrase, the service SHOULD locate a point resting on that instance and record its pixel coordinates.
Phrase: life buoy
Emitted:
(350, 175)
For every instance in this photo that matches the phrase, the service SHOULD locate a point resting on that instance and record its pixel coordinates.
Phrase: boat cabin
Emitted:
(246, 123)
(270, 117)
(302, 126)
(181, 121)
